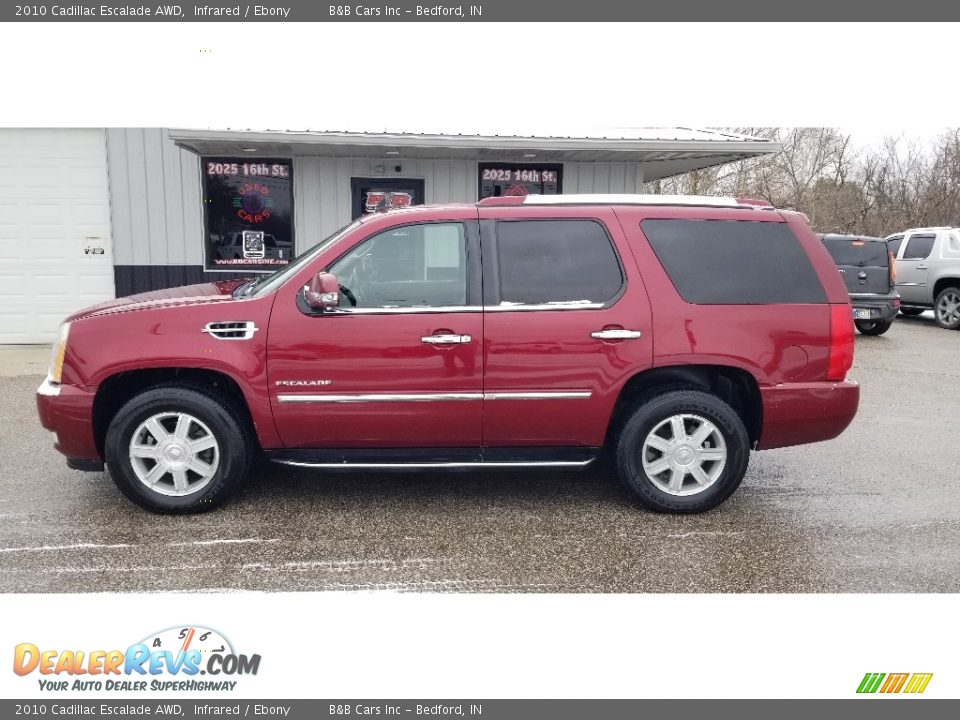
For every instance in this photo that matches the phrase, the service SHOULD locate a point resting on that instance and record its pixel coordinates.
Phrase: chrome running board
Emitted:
(435, 458)
(346, 465)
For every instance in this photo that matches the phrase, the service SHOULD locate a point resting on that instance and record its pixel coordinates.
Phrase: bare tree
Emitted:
(877, 191)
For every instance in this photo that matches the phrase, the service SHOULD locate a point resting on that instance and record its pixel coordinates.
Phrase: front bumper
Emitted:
(883, 308)
(801, 413)
(68, 411)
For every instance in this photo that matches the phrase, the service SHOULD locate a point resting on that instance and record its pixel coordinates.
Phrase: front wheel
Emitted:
(173, 449)
(873, 327)
(684, 451)
(946, 308)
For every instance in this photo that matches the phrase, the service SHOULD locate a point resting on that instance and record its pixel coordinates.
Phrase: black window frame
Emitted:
(917, 236)
(489, 240)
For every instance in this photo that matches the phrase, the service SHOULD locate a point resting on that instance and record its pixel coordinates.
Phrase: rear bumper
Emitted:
(801, 413)
(68, 412)
(883, 307)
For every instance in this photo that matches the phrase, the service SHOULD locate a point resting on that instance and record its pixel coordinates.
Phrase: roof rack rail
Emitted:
(627, 199)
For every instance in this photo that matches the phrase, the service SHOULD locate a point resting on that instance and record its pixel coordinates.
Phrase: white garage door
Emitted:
(54, 222)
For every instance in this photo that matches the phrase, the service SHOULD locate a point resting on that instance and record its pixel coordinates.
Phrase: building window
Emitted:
(248, 213)
(499, 179)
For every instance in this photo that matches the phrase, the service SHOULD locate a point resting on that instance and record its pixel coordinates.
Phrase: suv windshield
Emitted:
(853, 251)
(269, 283)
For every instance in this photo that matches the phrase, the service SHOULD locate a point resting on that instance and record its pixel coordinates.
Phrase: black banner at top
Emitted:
(479, 11)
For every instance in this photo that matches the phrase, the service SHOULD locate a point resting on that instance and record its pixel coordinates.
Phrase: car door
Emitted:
(399, 363)
(565, 322)
(912, 268)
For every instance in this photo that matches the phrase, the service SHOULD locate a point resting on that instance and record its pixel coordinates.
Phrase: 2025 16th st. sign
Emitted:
(248, 213)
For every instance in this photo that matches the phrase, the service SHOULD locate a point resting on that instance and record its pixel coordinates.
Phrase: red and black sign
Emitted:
(248, 210)
(372, 194)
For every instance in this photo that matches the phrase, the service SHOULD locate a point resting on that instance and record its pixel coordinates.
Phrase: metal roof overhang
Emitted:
(661, 157)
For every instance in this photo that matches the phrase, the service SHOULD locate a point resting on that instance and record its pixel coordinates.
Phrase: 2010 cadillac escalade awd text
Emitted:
(672, 334)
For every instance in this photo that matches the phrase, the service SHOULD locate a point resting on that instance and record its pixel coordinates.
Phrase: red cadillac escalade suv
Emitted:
(674, 333)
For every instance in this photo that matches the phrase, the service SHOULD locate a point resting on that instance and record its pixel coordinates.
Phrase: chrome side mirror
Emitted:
(323, 292)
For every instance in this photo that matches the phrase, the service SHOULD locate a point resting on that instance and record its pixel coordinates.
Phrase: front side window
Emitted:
(556, 262)
(408, 266)
(919, 247)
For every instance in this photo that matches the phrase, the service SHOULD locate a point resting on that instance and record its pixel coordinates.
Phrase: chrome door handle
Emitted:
(446, 339)
(613, 334)
(921, 267)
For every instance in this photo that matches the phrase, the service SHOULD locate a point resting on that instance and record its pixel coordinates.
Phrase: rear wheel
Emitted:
(174, 449)
(946, 308)
(683, 451)
(873, 327)
(911, 311)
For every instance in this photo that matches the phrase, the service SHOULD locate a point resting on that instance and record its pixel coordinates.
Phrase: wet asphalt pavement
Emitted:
(877, 510)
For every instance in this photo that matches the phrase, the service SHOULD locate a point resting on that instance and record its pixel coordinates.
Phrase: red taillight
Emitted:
(841, 342)
(893, 270)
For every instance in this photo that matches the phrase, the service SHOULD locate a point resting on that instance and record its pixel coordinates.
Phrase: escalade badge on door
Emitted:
(303, 383)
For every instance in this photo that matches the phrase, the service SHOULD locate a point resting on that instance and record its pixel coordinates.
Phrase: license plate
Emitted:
(861, 313)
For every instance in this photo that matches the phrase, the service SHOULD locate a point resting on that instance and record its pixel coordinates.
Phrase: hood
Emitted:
(201, 294)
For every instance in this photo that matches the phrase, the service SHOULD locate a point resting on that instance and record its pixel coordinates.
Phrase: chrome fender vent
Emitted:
(229, 330)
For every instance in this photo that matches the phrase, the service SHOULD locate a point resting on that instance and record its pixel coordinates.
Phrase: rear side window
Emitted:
(556, 261)
(732, 262)
(919, 247)
(860, 253)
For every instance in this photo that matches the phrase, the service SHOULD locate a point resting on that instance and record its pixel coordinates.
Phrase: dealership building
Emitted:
(90, 214)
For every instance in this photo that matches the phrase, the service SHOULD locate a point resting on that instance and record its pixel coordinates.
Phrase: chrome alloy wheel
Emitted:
(174, 454)
(948, 308)
(684, 454)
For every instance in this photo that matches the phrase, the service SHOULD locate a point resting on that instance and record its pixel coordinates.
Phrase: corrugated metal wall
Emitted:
(322, 200)
(156, 204)
(155, 199)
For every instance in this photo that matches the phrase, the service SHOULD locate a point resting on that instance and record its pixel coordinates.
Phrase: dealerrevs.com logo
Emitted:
(893, 683)
(176, 659)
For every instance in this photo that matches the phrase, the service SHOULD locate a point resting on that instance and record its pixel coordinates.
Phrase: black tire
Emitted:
(873, 327)
(911, 311)
(235, 440)
(650, 412)
(951, 322)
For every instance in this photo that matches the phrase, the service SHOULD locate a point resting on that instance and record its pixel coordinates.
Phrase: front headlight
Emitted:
(58, 353)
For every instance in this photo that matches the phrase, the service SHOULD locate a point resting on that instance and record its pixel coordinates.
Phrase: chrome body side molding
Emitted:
(433, 397)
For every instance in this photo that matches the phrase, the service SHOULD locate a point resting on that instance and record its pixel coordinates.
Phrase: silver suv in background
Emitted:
(928, 272)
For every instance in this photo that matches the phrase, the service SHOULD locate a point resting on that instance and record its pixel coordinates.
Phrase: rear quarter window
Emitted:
(734, 262)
